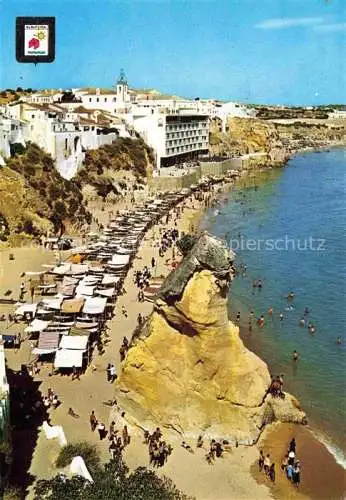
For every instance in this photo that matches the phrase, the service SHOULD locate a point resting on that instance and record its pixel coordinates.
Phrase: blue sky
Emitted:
(269, 51)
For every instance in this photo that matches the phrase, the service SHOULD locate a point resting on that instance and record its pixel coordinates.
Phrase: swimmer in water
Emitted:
(338, 340)
(302, 322)
(281, 316)
(306, 311)
(295, 355)
(270, 311)
(260, 321)
(291, 296)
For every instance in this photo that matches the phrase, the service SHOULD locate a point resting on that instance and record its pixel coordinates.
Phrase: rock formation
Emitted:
(188, 370)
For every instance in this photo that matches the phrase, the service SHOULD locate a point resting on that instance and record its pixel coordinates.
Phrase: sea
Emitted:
(288, 229)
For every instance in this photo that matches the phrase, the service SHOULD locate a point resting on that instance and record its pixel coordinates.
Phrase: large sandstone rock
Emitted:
(189, 370)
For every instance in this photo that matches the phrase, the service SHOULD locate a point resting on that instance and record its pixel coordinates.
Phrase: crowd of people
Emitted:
(158, 449)
(290, 465)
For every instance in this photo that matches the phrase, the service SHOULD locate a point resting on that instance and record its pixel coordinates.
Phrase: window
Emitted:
(105, 99)
(97, 99)
(114, 99)
(65, 144)
(32, 116)
(89, 99)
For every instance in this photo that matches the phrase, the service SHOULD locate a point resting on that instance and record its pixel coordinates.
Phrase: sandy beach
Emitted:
(234, 476)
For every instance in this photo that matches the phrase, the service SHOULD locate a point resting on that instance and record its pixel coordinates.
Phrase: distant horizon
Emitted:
(273, 53)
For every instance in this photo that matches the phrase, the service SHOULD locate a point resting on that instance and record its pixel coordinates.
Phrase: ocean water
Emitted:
(296, 218)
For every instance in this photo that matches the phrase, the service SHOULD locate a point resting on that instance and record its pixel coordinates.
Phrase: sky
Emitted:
(252, 51)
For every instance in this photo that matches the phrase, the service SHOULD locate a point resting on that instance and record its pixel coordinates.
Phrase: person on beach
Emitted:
(267, 463)
(238, 317)
(75, 373)
(291, 457)
(22, 291)
(289, 471)
(124, 312)
(295, 355)
(261, 461)
(271, 473)
(284, 462)
(112, 373)
(126, 437)
(153, 262)
(102, 430)
(296, 474)
(93, 421)
(199, 442)
(292, 446)
(139, 319)
(108, 372)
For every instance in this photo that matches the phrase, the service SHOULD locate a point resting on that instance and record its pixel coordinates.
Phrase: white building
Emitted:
(113, 101)
(233, 110)
(174, 137)
(65, 137)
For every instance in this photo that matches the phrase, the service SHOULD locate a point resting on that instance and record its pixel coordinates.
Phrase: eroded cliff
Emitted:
(188, 370)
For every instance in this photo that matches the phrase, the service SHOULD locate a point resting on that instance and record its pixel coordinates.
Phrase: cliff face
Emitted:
(34, 198)
(277, 139)
(189, 370)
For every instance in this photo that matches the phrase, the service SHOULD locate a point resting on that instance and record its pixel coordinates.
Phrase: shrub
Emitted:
(17, 149)
(82, 449)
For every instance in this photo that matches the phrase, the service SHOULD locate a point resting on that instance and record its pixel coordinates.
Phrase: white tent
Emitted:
(62, 269)
(78, 342)
(119, 260)
(83, 290)
(108, 279)
(108, 292)
(54, 431)
(37, 325)
(68, 358)
(54, 303)
(79, 468)
(94, 305)
(26, 309)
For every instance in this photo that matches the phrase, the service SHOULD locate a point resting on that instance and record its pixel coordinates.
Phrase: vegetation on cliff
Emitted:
(102, 166)
(34, 198)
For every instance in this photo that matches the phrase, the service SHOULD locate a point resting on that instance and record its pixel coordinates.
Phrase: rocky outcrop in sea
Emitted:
(188, 370)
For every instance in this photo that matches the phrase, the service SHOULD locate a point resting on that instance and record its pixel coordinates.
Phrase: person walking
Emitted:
(109, 376)
(102, 430)
(261, 461)
(126, 437)
(93, 421)
(112, 373)
(271, 473)
(267, 464)
(296, 474)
